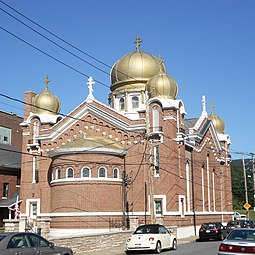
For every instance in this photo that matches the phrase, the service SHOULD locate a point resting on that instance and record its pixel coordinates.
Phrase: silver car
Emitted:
(239, 241)
(26, 243)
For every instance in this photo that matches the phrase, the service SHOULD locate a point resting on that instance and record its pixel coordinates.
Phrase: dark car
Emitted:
(26, 243)
(212, 230)
(232, 224)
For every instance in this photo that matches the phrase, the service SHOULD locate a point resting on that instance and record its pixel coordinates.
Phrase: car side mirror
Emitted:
(51, 245)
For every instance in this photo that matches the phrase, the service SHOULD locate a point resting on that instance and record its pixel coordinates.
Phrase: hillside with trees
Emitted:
(238, 184)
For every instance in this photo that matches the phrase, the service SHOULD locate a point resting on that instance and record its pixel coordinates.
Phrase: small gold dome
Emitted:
(135, 66)
(217, 122)
(46, 102)
(162, 85)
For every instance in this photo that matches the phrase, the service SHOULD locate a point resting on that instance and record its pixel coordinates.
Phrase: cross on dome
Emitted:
(46, 82)
(138, 43)
(212, 107)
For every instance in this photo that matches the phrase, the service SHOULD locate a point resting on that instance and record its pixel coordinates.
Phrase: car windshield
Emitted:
(248, 235)
(147, 229)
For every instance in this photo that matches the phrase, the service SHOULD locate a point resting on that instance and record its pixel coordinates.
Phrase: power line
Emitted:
(50, 56)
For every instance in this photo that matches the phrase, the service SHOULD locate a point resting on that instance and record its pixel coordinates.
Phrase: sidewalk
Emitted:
(121, 250)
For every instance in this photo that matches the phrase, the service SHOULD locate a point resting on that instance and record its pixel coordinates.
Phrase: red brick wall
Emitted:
(12, 121)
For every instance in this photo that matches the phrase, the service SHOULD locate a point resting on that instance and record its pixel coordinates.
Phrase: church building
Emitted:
(137, 160)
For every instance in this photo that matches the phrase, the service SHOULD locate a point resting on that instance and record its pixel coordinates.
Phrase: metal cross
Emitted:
(90, 84)
(138, 42)
(46, 81)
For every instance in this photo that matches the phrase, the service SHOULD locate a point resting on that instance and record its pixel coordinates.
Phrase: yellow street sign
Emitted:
(247, 206)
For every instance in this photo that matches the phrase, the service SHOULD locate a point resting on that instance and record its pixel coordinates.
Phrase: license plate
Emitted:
(137, 244)
(208, 231)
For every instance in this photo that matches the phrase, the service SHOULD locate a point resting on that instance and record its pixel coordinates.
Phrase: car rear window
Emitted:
(147, 230)
(208, 225)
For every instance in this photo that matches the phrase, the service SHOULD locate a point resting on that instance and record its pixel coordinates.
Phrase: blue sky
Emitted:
(208, 48)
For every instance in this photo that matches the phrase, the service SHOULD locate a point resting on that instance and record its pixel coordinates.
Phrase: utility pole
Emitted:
(245, 181)
(151, 183)
(149, 160)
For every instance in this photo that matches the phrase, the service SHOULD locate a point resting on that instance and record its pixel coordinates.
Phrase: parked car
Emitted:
(29, 244)
(232, 224)
(212, 230)
(152, 237)
(239, 241)
(239, 216)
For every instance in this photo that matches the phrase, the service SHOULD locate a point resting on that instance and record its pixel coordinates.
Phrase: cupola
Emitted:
(46, 102)
(217, 122)
(162, 85)
(135, 67)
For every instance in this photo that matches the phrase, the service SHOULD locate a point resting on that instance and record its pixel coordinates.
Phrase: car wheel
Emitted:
(174, 245)
(158, 247)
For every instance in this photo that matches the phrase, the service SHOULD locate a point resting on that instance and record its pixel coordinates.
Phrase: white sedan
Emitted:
(153, 237)
(239, 241)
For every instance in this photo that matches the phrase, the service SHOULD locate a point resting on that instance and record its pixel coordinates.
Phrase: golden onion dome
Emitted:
(162, 85)
(135, 66)
(217, 122)
(46, 102)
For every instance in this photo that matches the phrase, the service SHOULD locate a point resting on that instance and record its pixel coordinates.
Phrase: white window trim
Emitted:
(163, 199)
(99, 171)
(35, 163)
(67, 173)
(188, 185)
(57, 176)
(32, 201)
(118, 173)
(203, 188)
(82, 172)
(180, 198)
(155, 160)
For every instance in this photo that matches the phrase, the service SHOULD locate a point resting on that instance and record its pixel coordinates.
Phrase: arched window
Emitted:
(135, 102)
(57, 174)
(85, 172)
(155, 119)
(102, 172)
(69, 173)
(116, 173)
(122, 104)
(35, 131)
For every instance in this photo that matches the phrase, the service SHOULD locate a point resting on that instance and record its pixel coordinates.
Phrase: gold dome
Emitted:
(162, 85)
(46, 102)
(136, 66)
(217, 122)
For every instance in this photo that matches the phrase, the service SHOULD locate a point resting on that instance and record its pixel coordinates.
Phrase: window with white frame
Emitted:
(158, 207)
(102, 172)
(5, 135)
(69, 172)
(135, 102)
(35, 131)
(5, 190)
(58, 174)
(116, 173)
(122, 104)
(156, 160)
(33, 209)
(85, 172)
(35, 170)
(155, 119)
